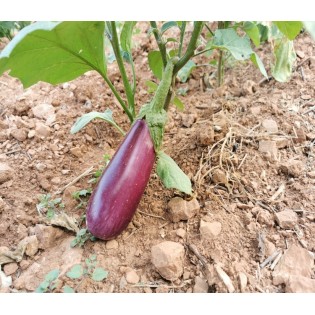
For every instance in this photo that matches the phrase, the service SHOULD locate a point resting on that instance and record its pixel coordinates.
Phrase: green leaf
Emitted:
(285, 57)
(67, 289)
(258, 63)
(99, 274)
(178, 103)
(86, 118)
(168, 25)
(156, 63)
(171, 175)
(52, 275)
(171, 39)
(55, 52)
(289, 28)
(151, 85)
(42, 287)
(252, 31)
(263, 32)
(310, 28)
(126, 34)
(75, 272)
(184, 72)
(227, 39)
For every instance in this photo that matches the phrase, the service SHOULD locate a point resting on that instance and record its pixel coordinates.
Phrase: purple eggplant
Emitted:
(121, 186)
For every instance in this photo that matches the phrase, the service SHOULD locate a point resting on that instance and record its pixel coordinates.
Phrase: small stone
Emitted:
(210, 230)
(188, 120)
(31, 134)
(300, 54)
(112, 244)
(47, 235)
(281, 142)
(219, 177)
(292, 168)
(205, 134)
(56, 180)
(201, 285)
(249, 87)
(24, 264)
(19, 134)
(168, 257)
(264, 217)
(286, 219)
(312, 62)
(311, 174)
(181, 233)
(300, 136)
(76, 152)
(243, 281)
(296, 261)
(267, 146)
(44, 182)
(255, 110)
(299, 284)
(132, 277)
(10, 269)
(270, 125)
(40, 166)
(270, 248)
(180, 209)
(5, 282)
(42, 130)
(6, 173)
(32, 246)
(44, 111)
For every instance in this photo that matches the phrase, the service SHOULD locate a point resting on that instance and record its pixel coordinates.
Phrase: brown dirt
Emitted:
(242, 201)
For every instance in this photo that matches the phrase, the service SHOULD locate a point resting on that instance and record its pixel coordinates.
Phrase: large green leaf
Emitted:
(126, 34)
(289, 28)
(86, 118)
(284, 59)
(171, 175)
(75, 272)
(99, 274)
(252, 31)
(227, 39)
(55, 52)
(156, 63)
(310, 27)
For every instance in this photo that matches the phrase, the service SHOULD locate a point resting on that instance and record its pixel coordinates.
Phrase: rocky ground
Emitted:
(247, 146)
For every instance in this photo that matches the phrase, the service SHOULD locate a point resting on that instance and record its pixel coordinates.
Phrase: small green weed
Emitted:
(50, 282)
(82, 236)
(49, 206)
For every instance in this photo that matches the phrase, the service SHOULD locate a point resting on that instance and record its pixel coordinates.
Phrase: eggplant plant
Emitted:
(57, 52)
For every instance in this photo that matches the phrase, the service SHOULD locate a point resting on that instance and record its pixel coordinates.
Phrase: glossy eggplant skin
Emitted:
(117, 195)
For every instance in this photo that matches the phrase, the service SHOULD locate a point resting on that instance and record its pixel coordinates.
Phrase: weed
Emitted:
(82, 236)
(49, 206)
(50, 282)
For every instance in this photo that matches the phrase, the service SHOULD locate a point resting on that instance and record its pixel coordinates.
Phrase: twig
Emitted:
(279, 191)
(269, 259)
(244, 158)
(275, 262)
(85, 173)
(309, 110)
(265, 80)
(223, 145)
(151, 215)
(302, 63)
(133, 232)
(302, 73)
(13, 151)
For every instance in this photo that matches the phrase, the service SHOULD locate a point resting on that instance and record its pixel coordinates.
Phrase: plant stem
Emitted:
(182, 33)
(191, 47)
(209, 29)
(159, 41)
(118, 97)
(220, 68)
(203, 51)
(128, 90)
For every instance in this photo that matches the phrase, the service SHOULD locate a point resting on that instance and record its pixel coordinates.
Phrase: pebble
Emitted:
(243, 281)
(76, 152)
(168, 258)
(270, 125)
(10, 268)
(47, 235)
(19, 134)
(265, 217)
(311, 174)
(299, 284)
(32, 246)
(255, 110)
(286, 219)
(132, 277)
(31, 134)
(188, 120)
(181, 233)
(200, 286)
(296, 261)
(6, 173)
(42, 130)
(210, 230)
(292, 168)
(44, 111)
(40, 166)
(112, 244)
(267, 146)
(219, 177)
(180, 209)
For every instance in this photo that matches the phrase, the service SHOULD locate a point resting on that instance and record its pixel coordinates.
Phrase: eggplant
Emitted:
(119, 190)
